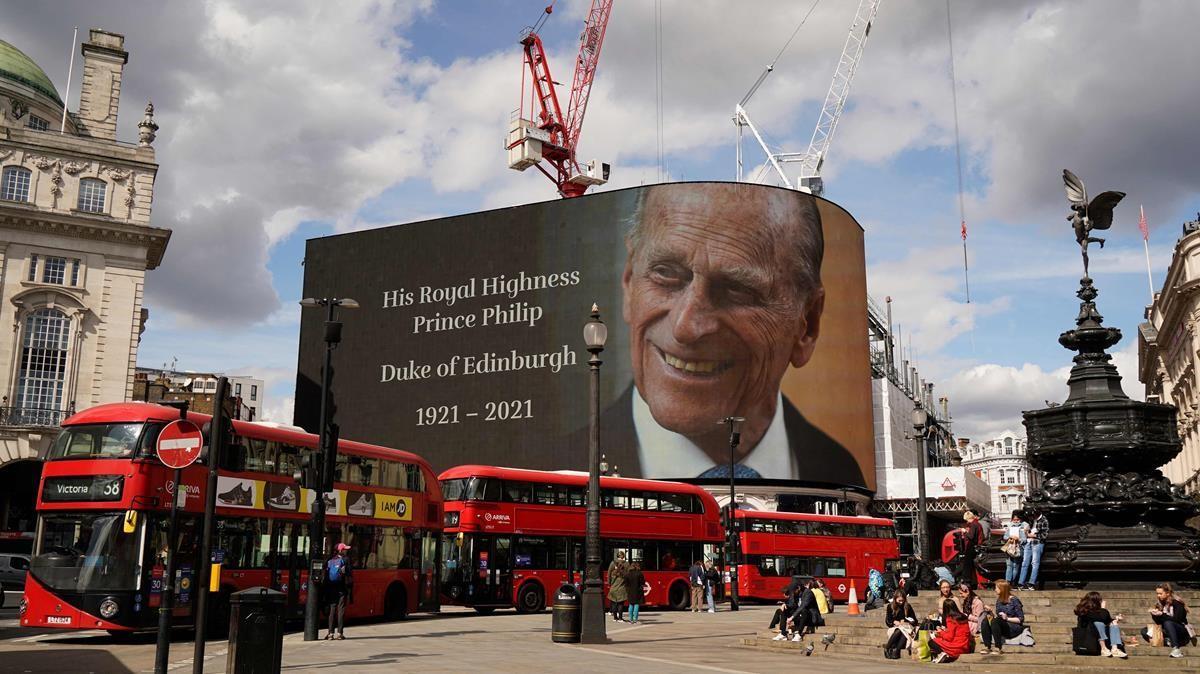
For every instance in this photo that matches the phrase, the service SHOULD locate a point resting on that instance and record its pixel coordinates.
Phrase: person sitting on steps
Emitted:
(1005, 621)
(1170, 614)
(1092, 612)
(955, 638)
(901, 622)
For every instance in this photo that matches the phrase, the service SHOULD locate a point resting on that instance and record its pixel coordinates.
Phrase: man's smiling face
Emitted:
(713, 305)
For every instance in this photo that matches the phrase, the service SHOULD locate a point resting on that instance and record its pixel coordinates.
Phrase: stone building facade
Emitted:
(76, 240)
(1002, 464)
(1169, 353)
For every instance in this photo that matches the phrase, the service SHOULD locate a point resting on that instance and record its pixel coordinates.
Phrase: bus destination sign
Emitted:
(91, 488)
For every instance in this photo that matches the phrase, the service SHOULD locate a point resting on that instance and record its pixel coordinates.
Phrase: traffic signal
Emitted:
(306, 474)
(329, 452)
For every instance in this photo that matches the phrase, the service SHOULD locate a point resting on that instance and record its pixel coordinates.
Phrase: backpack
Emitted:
(335, 570)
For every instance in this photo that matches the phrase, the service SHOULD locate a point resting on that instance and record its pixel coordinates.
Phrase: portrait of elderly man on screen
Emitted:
(721, 293)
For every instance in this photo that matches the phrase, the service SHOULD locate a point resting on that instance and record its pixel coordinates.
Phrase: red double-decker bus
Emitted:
(101, 540)
(513, 536)
(775, 546)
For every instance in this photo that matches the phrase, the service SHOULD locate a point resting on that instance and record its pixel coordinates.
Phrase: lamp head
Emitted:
(346, 303)
(312, 302)
(595, 332)
(919, 417)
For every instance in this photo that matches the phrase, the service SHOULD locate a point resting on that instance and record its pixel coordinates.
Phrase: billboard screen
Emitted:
(720, 299)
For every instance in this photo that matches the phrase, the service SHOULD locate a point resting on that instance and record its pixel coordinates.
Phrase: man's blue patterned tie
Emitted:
(739, 471)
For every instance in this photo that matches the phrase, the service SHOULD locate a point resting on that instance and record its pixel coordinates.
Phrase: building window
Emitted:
(91, 195)
(14, 184)
(237, 390)
(54, 270)
(32, 268)
(74, 272)
(253, 392)
(44, 360)
(37, 123)
(1003, 501)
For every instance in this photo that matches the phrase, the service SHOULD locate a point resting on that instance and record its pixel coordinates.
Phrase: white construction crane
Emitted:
(811, 161)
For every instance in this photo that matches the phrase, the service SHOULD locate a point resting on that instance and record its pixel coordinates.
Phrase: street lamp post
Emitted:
(735, 438)
(920, 422)
(327, 457)
(592, 627)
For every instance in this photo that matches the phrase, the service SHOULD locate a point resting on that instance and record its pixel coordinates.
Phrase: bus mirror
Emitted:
(130, 523)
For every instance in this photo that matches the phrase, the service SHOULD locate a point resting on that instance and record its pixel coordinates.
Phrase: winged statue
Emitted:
(1086, 216)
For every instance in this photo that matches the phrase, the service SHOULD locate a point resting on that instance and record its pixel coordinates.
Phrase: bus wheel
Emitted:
(678, 596)
(395, 604)
(485, 610)
(531, 598)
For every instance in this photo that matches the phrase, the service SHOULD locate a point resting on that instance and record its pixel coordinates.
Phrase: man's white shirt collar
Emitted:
(667, 454)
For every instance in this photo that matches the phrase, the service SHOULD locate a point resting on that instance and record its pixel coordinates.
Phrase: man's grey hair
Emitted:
(806, 247)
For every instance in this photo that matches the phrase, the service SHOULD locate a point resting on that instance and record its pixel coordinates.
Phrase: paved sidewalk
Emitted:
(462, 641)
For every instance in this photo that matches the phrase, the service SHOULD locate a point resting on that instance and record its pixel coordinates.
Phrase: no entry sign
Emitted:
(179, 444)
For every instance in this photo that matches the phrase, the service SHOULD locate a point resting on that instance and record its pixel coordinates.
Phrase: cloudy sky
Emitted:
(283, 120)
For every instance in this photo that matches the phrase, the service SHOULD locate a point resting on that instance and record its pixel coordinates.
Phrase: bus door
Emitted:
(288, 561)
(186, 550)
(429, 592)
(493, 570)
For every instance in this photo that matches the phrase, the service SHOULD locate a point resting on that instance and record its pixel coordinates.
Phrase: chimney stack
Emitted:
(104, 59)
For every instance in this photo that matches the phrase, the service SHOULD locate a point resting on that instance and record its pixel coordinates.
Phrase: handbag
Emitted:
(1153, 634)
(921, 652)
(1085, 640)
(1012, 548)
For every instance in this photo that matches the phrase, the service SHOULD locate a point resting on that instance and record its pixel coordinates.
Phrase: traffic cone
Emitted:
(852, 605)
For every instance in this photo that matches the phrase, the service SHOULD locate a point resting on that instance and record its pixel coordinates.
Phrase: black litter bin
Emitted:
(565, 626)
(255, 631)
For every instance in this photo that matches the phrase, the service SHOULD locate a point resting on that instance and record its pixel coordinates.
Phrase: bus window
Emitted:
(243, 542)
(673, 503)
(549, 494)
(518, 492)
(391, 547)
(576, 496)
(362, 470)
(455, 490)
(96, 441)
(651, 502)
(637, 501)
(259, 457)
(533, 553)
(287, 459)
(620, 499)
(483, 489)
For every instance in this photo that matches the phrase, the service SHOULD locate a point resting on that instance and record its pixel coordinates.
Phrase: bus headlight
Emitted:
(109, 608)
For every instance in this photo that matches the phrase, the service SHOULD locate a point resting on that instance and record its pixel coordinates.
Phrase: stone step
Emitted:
(857, 637)
(1014, 659)
(1000, 663)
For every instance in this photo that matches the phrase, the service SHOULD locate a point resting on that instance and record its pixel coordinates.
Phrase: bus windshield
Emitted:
(84, 552)
(96, 441)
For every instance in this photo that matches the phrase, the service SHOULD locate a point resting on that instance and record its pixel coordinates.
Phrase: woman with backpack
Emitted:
(337, 588)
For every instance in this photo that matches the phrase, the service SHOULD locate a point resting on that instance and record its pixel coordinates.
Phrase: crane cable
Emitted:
(962, 213)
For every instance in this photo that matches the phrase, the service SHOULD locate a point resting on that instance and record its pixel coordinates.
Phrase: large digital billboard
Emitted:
(721, 299)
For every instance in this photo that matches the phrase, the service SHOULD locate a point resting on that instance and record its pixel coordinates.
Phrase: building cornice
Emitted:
(90, 227)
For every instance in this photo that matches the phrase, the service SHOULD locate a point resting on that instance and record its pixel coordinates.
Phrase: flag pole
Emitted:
(70, 72)
(1146, 246)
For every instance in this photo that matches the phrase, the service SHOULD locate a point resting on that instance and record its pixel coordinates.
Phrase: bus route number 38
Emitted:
(502, 410)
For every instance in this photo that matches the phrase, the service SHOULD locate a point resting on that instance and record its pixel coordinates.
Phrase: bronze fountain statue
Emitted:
(1115, 520)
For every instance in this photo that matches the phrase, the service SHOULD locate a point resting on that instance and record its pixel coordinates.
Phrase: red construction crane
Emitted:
(554, 136)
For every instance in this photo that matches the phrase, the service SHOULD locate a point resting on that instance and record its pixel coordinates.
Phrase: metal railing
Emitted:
(35, 417)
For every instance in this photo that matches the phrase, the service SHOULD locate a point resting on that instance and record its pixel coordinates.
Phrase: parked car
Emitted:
(12, 570)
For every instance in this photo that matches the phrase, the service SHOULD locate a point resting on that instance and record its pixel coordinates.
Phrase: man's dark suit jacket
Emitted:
(820, 458)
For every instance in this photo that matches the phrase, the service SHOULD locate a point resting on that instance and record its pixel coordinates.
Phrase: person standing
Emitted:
(617, 591)
(1014, 547)
(712, 581)
(636, 588)
(696, 581)
(1171, 615)
(1031, 560)
(1092, 613)
(338, 588)
(1005, 621)
(973, 536)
